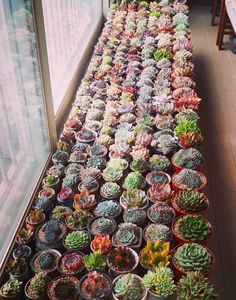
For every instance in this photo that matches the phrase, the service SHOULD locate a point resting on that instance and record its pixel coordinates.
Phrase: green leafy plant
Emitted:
(77, 240)
(16, 267)
(191, 201)
(95, 261)
(162, 53)
(160, 281)
(134, 180)
(45, 260)
(195, 286)
(51, 180)
(24, 235)
(187, 127)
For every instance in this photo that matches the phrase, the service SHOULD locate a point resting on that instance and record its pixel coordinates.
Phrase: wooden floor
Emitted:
(216, 84)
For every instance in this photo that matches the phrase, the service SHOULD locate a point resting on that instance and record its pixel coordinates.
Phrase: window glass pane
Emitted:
(24, 145)
(69, 26)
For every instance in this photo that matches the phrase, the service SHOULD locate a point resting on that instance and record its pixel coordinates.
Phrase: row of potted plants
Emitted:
(124, 195)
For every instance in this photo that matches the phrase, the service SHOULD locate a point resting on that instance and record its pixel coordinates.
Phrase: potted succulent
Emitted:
(107, 208)
(190, 202)
(128, 235)
(139, 165)
(50, 235)
(63, 287)
(47, 193)
(140, 153)
(95, 261)
(24, 237)
(96, 162)
(189, 158)
(86, 136)
(157, 177)
(186, 115)
(73, 123)
(129, 287)
(36, 287)
(97, 151)
(45, 261)
(110, 190)
(195, 286)
(112, 174)
(71, 263)
(59, 213)
(60, 157)
(189, 134)
(84, 201)
(188, 179)
(102, 226)
(88, 183)
(160, 192)
(76, 240)
(34, 219)
(73, 168)
(164, 144)
(192, 257)
(159, 163)
(44, 204)
(134, 198)
(191, 228)
(51, 181)
(11, 289)
(155, 255)
(160, 283)
(77, 156)
(120, 150)
(161, 212)
(101, 243)
(70, 182)
(22, 251)
(78, 220)
(122, 260)
(93, 125)
(135, 216)
(134, 180)
(17, 269)
(154, 232)
(118, 163)
(95, 285)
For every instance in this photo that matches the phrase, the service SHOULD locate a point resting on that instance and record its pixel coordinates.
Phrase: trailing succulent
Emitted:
(129, 287)
(156, 232)
(110, 189)
(127, 235)
(188, 158)
(193, 228)
(191, 201)
(193, 257)
(195, 286)
(161, 213)
(135, 215)
(95, 261)
(160, 281)
(188, 179)
(76, 240)
(134, 180)
(107, 208)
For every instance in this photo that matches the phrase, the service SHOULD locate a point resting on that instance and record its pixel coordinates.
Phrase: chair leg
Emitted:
(214, 9)
(220, 26)
(221, 37)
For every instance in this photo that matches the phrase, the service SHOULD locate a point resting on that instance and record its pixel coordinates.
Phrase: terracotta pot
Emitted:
(177, 168)
(74, 279)
(76, 273)
(179, 188)
(149, 178)
(42, 297)
(30, 226)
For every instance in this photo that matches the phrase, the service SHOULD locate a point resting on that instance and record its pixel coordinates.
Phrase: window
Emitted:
(69, 27)
(24, 146)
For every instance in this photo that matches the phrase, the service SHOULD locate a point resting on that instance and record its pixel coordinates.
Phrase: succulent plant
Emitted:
(127, 235)
(122, 259)
(96, 162)
(11, 288)
(38, 285)
(71, 263)
(64, 288)
(161, 213)
(110, 189)
(191, 201)
(107, 208)
(102, 226)
(95, 261)
(162, 53)
(107, 130)
(60, 157)
(78, 219)
(112, 174)
(119, 150)
(134, 198)
(160, 281)
(51, 180)
(101, 243)
(192, 257)
(187, 115)
(89, 183)
(187, 127)
(135, 216)
(45, 260)
(134, 180)
(155, 254)
(195, 286)
(139, 165)
(97, 150)
(129, 287)
(193, 228)
(24, 235)
(165, 143)
(188, 158)
(60, 212)
(188, 179)
(140, 153)
(16, 267)
(70, 180)
(84, 200)
(76, 239)
(157, 177)
(51, 231)
(164, 122)
(180, 18)
(156, 232)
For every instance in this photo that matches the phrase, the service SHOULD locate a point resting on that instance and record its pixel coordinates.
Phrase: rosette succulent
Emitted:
(112, 174)
(78, 219)
(110, 189)
(162, 53)
(193, 228)
(193, 257)
(161, 213)
(134, 198)
(95, 261)
(76, 240)
(156, 232)
(96, 162)
(191, 201)
(187, 115)
(159, 163)
(102, 226)
(128, 235)
(107, 208)
(135, 215)
(165, 143)
(134, 180)
(188, 158)
(189, 179)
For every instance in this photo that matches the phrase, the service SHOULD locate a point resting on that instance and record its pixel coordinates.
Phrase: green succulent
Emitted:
(187, 115)
(161, 213)
(143, 4)
(187, 127)
(11, 288)
(96, 162)
(160, 281)
(95, 261)
(60, 212)
(77, 240)
(70, 180)
(191, 201)
(79, 219)
(156, 232)
(188, 179)
(37, 284)
(125, 237)
(118, 163)
(129, 287)
(159, 162)
(107, 208)
(134, 198)
(51, 180)
(146, 119)
(140, 128)
(134, 180)
(112, 174)
(60, 156)
(193, 228)
(162, 53)
(110, 189)
(107, 130)
(180, 18)
(189, 158)
(193, 257)
(135, 216)
(156, 14)
(194, 286)
(139, 165)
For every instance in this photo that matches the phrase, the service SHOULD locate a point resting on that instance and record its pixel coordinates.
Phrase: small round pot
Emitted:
(112, 197)
(114, 281)
(89, 141)
(93, 125)
(145, 207)
(110, 233)
(164, 223)
(177, 188)
(115, 216)
(42, 297)
(33, 226)
(99, 155)
(181, 212)
(51, 193)
(177, 168)
(2, 297)
(76, 273)
(74, 228)
(55, 186)
(84, 248)
(144, 231)
(80, 188)
(74, 279)
(150, 180)
(23, 248)
(181, 240)
(56, 161)
(179, 272)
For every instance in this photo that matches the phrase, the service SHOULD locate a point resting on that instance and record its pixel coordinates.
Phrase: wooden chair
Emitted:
(216, 4)
(225, 26)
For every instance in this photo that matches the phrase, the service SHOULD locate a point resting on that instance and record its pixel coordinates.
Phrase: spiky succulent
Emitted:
(160, 281)
(191, 201)
(129, 287)
(45, 260)
(11, 288)
(193, 257)
(134, 180)
(188, 158)
(135, 215)
(112, 174)
(193, 228)
(38, 284)
(107, 208)
(95, 261)
(110, 189)
(77, 240)
(188, 179)
(161, 213)
(156, 232)
(195, 286)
